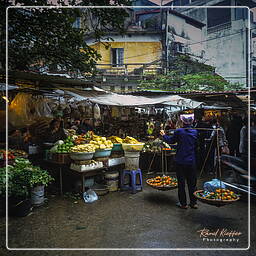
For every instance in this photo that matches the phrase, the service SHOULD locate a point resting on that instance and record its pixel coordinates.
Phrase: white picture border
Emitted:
(133, 249)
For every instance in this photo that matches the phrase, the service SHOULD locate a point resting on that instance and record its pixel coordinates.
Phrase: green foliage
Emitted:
(204, 81)
(22, 176)
(189, 75)
(47, 36)
(39, 177)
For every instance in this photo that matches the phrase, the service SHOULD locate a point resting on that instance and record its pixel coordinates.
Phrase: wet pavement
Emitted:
(148, 219)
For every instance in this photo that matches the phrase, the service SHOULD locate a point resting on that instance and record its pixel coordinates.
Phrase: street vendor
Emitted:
(55, 131)
(186, 139)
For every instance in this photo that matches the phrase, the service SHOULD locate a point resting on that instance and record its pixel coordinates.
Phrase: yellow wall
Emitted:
(134, 52)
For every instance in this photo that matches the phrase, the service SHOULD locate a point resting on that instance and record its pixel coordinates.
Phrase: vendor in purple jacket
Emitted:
(185, 159)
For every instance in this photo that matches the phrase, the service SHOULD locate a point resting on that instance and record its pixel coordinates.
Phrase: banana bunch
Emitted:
(115, 139)
(130, 140)
(83, 148)
(101, 142)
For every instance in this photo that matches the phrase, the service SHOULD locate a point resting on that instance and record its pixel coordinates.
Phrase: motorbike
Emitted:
(240, 180)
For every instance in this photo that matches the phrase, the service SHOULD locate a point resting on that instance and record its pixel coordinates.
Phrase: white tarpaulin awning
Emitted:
(114, 99)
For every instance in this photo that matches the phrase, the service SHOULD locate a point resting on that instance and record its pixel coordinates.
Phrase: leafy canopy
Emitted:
(47, 37)
(188, 75)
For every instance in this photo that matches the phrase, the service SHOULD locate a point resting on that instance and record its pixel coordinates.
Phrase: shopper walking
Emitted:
(185, 159)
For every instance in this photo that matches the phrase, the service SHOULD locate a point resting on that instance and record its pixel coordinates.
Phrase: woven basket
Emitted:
(215, 202)
(163, 188)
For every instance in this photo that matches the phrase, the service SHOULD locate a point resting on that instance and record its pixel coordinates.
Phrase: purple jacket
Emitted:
(186, 145)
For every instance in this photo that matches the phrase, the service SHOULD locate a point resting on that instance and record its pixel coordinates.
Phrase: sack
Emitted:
(212, 185)
(96, 111)
(225, 150)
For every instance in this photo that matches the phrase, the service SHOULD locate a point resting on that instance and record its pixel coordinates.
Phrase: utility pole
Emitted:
(163, 37)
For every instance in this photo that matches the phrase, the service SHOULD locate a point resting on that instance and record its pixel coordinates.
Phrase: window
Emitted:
(117, 57)
(218, 16)
(112, 88)
(122, 88)
(130, 88)
(178, 47)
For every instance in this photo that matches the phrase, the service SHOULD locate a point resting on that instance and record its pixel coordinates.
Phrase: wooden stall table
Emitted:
(106, 164)
(87, 173)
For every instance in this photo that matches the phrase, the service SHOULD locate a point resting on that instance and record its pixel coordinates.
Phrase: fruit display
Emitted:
(115, 139)
(80, 139)
(156, 146)
(219, 194)
(12, 154)
(132, 145)
(65, 146)
(71, 132)
(162, 182)
(83, 148)
(101, 142)
(130, 140)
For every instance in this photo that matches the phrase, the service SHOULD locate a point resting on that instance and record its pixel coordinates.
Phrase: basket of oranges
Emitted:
(219, 197)
(163, 182)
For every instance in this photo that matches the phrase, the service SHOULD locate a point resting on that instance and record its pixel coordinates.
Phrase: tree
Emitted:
(47, 37)
(189, 75)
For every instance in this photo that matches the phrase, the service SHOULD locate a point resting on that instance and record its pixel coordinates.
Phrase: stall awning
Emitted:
(113, 99)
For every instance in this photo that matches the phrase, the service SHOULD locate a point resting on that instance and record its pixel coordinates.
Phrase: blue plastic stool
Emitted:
(133, 186)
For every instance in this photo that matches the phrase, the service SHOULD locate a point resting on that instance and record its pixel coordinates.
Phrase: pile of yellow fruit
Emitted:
(83, 148)
(163, 181)
(115, 139)
(130, 140)
(101, 142)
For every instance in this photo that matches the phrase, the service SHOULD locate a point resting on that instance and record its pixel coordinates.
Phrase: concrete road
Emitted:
(148, 219)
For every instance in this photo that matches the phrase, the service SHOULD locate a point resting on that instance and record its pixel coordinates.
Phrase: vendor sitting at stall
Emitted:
(186, 139)
(55, 131)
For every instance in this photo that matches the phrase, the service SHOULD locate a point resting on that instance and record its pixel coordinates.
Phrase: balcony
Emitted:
(131, 69)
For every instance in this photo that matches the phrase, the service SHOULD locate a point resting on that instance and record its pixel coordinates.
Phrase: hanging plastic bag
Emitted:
(212, 185)
(19, 112)
(90, 196)
(88, 109)
(96, 112)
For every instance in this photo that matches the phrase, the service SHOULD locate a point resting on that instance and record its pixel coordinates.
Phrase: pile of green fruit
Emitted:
(66, 146)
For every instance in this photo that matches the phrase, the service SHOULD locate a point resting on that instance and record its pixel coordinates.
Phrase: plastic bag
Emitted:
(88, 109)
(19, 111)
(212, 185)
(90, 196)
(96, 112)
(42, 108)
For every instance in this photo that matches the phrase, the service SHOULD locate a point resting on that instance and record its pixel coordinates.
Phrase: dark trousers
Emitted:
(186, 173)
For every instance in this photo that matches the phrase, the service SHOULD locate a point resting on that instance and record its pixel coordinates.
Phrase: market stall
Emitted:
(113, 120)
